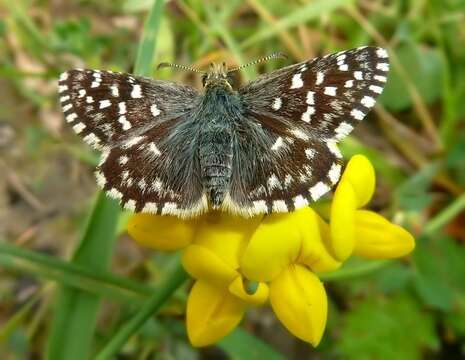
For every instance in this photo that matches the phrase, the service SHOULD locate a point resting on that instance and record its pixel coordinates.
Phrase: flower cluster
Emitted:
(238, 263)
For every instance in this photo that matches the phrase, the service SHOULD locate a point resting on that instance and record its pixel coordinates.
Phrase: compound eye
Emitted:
(204, 79)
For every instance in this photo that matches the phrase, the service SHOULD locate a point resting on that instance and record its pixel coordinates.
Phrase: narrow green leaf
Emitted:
(147, 46)
(76, 311)
(101, 283)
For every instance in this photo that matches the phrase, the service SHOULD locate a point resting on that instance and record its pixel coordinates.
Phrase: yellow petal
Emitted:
(274, 245)
(203, 264)
(341, 242)
(361, 175)
(226, 235)
(299, 301)
(161, 232)
(255, 297)
(314, 231)
(212, 313)
(377, 238)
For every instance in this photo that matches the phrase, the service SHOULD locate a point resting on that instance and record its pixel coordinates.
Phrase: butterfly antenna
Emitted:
(274, 55)
(177, 66)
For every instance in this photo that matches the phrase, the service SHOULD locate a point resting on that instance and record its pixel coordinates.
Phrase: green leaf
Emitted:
(424, 67)
(394, 328)
(440, 272)
(75, 310)
(242, 345)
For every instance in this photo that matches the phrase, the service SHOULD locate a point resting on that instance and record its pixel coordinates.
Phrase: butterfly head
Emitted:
(217, 77)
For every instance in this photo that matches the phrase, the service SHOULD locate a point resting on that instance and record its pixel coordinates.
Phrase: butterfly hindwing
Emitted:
(302, 111)
(139, 125)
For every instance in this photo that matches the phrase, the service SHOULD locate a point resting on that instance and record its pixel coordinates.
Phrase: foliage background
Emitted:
(57, 295)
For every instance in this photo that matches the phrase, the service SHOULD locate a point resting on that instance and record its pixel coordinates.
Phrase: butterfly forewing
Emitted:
(134, 121)
(303, 110)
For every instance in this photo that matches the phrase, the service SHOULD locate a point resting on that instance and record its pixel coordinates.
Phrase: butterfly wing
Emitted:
(297, 116)
(142, 128)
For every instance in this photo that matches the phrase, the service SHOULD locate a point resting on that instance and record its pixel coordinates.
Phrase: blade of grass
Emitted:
(175, 278)
(102, 283)
(447, 214)
(311, 10)
(76, 311)
(147, 46)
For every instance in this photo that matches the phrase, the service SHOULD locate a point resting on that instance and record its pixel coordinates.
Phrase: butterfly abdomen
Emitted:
(216, 145)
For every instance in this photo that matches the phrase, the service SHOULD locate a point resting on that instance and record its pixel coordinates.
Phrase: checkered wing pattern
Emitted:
(288, 156)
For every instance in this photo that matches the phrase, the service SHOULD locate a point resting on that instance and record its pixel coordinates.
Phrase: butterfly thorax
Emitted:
(219, 110)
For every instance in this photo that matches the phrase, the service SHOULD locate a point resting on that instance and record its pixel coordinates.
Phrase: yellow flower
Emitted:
(238, 263)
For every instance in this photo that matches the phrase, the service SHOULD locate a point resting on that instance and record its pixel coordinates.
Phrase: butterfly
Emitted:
(269, 146)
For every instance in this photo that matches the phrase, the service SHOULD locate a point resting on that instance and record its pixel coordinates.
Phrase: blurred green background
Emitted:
(57, 294)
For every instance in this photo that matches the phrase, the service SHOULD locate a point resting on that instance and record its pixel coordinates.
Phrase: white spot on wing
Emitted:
(123, 160)
(368, 101)
(136, 92)
(380, 78)
(358, 75)
(319, 77)
(155, 110)
(300, 201)
(299, 134)
(343, 130)
(122, 108)
(67, 107)
(62, 88)
(297, 81)
(330, 90)
(382, 66)
(104, 104)
(169, 208)
(123, 121)
(114, 90)
(71, 117)
(344, 67)
(308, 113)
(64, 98)
(310, 153)
(133, 141)
(130, 205)
(382, 53)
(349, 83)
(278, 143)
(357, 114)
(318, 190)
(79, 127)
(376, 89)
(63, 76)
(150, 208)
(115, 194)
(334, 173)
(332, 146)
(273, 182)
(260, 206)
(101, 180)
(82, 93)
(153, 148)
(310, 98)
(280, 206)
(277, 103)
(91, 139)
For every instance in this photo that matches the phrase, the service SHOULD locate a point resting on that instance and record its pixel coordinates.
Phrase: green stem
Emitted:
(445, 215)
(173, 280)
(355, 271)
